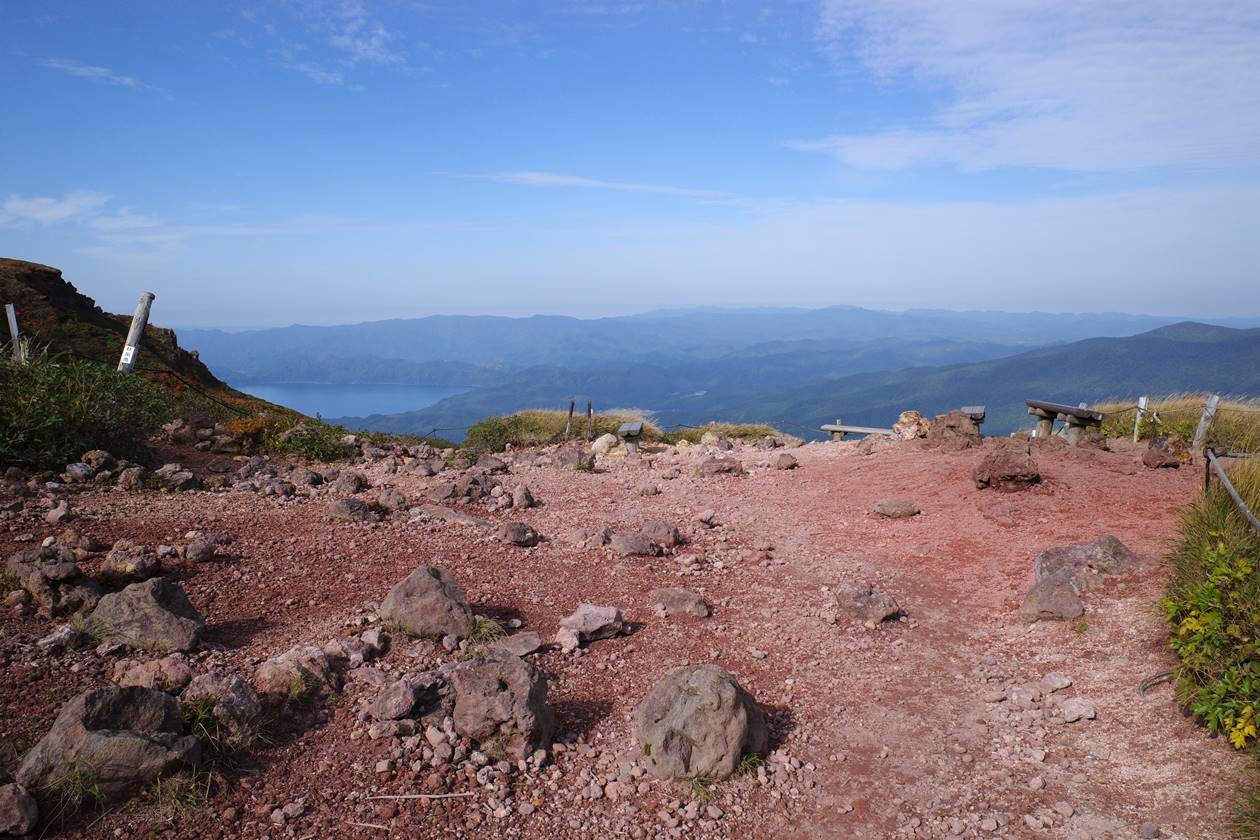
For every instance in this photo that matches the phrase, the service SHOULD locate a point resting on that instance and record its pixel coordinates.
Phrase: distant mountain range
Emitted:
(792, 367)
(1177, 358)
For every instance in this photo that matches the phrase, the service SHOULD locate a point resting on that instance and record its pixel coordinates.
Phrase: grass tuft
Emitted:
(702, 786)
(748, 764)
(538, 427)
(734, 431)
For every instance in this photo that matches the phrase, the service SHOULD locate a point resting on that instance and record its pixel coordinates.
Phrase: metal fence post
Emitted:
(138, 322)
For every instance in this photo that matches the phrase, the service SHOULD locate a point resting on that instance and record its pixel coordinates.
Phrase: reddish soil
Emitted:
(889, 726)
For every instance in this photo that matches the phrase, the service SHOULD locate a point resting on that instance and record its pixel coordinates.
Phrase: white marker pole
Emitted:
(1200, 434)
(138, 323)
(19, 353)
(1137, 421)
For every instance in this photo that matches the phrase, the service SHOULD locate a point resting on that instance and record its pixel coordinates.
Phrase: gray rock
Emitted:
(170, 674)
(635, 544)
(391, 500)
(590, 623)
(710, 467)
(1008, 467)
(698, 720)
(518, 533)
(300, 673)
(1055, 597)
(604, 444)
(865, 603)
(518, 644)
(953, 432)
(663, 533)
(348, 483)
(395, 701)
(785, 462)
(19, 812)
(502, 700)
(1077, 709)
(132, 479)
(125, 737)
(896, 508)
(54, 580)
(59, 640)
(672, 601)
(523, 498)
(153, 615)
(353, 510)
(129, 563)
(429, 603)
(1105, 555)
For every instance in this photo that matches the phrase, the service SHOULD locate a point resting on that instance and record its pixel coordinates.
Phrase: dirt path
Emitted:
(896, 731)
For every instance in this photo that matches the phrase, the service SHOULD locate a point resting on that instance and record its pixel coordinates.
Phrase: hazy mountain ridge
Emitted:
(1187, 356)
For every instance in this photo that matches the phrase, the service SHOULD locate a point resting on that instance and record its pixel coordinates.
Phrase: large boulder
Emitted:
(605, 443)
(663, 532)
(429, 603)
(123, 737)
(634, 544)
(518, 533)
(698, 720)
(153, 615)
(54, 580)
(1008, 467)
(1063, 573)
(18, 811)
(501, 699)
(954, 432)
(1105, 555)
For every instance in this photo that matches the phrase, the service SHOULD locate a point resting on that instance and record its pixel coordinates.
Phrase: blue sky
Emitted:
(324, 161)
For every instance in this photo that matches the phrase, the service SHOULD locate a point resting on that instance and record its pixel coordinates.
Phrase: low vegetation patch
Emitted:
(1236, 426)
(734, 431)
(539, 427)
(54, 408)
(1213, 604)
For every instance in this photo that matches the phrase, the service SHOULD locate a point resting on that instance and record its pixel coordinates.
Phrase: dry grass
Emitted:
(538, 427)
(1235, 427)
(742, 431)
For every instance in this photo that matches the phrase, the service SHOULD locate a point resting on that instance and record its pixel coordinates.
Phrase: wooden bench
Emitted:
(1078, 419)
(838, 429)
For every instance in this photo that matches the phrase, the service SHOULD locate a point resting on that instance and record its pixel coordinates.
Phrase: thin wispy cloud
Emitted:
(555, 179)
(96, 74)
(42, 210)
(1062, 84)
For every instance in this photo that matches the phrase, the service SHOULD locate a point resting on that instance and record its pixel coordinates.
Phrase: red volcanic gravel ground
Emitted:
(894, 731)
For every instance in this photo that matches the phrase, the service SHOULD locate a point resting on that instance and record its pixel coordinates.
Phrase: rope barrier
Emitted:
(1216, 467)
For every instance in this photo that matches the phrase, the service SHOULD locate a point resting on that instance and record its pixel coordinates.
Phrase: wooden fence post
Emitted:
(138, 322)
(1205, 422)
(590, 421)
(19, 352)
(568, 424)
(1137, 421)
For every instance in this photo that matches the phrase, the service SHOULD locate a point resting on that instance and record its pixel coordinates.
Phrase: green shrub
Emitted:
(1213, 605)
(53, 409)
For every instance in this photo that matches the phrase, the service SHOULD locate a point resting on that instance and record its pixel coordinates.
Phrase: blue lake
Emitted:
(350, 400)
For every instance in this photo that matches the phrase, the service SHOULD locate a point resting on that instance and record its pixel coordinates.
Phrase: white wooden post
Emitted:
(19, 352)
(138, 322)
(1205, 422)
(1137, 421)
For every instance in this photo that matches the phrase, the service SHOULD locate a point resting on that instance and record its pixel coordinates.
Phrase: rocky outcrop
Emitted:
(865, 603)
(128, 563)
(698, 720)
(54, 580)
(670, 600)
(19, 812)
(589, 623)
(300, 673)
(953, 432)
(428, 603)
(124, 737)
(1063, 574)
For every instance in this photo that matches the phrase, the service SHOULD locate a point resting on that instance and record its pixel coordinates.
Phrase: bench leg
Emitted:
(1044, 427)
